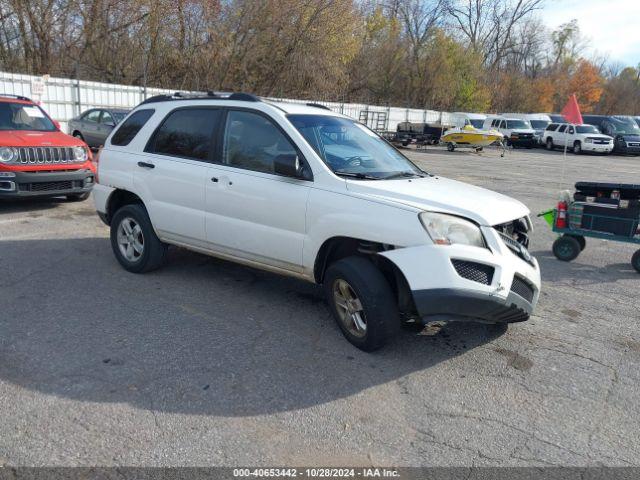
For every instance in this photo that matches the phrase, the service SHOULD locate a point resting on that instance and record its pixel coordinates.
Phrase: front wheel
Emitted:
(635, 261)
(362, 302)
(549, 143)
(451, 147)
(134, 242)
(577, 148)
(566, 248)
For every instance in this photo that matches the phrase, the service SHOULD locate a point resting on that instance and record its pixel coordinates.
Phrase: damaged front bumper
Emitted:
(460, 282)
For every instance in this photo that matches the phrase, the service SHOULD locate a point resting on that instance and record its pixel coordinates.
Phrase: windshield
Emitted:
(586, 129)
(351, 149)
(477, 123)
(622, 127)
(539, 124)
(24, 116)
(518, 124)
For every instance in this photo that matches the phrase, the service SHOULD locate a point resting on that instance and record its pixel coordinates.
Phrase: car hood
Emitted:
(25, 138)
(444, 195)
(522, 130)
(629, 137)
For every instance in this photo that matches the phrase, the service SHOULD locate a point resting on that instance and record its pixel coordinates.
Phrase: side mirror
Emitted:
(56, 124)
(288, 165)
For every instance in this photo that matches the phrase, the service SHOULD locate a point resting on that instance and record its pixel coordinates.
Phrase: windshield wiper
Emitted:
(361, 176)
(403, 175)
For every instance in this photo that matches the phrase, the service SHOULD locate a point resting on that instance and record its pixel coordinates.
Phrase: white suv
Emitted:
(301, 190)
(517, 132)
(579, 138)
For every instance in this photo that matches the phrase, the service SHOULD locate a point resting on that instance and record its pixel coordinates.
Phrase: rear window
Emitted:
(130, 128)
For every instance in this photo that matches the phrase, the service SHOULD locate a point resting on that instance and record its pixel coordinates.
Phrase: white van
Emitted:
(517, 132)
(538, 121)
(461, 119)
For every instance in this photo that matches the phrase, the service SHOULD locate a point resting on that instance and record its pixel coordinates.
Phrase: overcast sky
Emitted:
(612, 27)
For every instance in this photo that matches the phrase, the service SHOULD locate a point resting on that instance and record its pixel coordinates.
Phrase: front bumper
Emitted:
(523, 142)
(456, 304)
(502, 288)
(597, 147)
(46, 183)
(627, 149)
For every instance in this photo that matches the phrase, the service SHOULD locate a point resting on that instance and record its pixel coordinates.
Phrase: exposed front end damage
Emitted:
(496, 284)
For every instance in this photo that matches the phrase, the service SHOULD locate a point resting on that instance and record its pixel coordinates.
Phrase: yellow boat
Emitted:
(468, 136)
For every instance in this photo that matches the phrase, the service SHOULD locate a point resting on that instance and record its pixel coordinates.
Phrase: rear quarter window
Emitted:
(130, 127)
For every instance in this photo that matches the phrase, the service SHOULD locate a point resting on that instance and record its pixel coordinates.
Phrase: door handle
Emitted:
(214, 179)
(146, 165)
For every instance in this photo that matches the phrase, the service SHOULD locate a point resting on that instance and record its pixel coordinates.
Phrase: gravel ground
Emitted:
(208, 363)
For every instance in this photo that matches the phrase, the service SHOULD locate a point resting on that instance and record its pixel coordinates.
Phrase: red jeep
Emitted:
(36, 158)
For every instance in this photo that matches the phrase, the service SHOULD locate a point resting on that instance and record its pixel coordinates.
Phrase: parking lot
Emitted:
(205, 362)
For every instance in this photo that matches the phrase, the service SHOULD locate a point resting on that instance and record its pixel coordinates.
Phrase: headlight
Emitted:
(79, 154)
(8, 154)
(448, 230)
(588, 140)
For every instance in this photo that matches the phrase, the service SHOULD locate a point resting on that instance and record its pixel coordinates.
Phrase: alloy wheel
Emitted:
(130, 239)
(349, 308)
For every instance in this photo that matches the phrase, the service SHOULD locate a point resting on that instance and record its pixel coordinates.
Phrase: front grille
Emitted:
(45, 155)
(521, 287)
(522, 136)
(477, 272)
(598, 140)
(517, 248)
(50, 186)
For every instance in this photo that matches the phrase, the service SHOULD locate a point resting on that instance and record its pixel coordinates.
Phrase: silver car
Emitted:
(94, 126)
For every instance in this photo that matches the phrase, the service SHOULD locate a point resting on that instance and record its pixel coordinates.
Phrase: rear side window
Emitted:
(130, 128)
(562, 128)
(186, 133)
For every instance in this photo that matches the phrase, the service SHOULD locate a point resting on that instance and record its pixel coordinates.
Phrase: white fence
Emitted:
(64, 98)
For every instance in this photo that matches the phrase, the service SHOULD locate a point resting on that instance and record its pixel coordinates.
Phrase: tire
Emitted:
(635, 261)
(363, 285)
(577, 148)
(581, 241)
(153, 251)
(78, 197)
(566, 248)
(451, 147)
(550, 143)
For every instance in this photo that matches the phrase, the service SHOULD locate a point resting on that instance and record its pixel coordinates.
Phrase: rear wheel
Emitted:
(134, 242)
(362, 302)
(635, 261)
(566, 248)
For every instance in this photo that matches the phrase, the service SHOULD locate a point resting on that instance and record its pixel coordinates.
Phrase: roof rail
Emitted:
(318, 105)
(209, 95)
(18, 97)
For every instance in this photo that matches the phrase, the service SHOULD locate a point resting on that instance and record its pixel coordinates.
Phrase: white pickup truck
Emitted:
(579, 138)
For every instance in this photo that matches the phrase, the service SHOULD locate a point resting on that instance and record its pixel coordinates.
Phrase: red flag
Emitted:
(571, 111)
